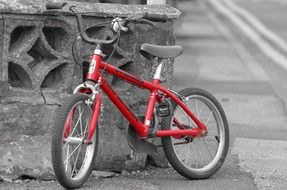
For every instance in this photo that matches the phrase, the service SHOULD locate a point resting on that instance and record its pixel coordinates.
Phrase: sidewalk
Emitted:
(214, 60)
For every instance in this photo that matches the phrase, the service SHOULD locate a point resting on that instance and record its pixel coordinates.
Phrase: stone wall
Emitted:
(37, 71)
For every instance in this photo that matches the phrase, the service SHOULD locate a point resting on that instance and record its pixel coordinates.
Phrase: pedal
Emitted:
(163, 109)
(139, 145)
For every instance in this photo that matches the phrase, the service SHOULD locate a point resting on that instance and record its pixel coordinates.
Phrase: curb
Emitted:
(258, 38)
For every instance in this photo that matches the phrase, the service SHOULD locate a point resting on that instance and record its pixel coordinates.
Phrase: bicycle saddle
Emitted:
(150, 51)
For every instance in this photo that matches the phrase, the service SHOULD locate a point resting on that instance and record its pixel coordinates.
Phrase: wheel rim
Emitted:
(200, 154)
(77, 156)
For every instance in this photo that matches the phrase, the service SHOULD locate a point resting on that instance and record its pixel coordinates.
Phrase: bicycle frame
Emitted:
(142, 128)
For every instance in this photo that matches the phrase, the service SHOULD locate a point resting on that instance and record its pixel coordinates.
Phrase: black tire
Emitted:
(190, 168)
(68, 165)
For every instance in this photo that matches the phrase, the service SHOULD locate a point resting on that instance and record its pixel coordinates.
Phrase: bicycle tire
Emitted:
(169, 147)
(84, 160)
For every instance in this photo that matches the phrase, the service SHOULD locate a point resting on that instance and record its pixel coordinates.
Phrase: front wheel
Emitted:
(72, 158)
(200, 157)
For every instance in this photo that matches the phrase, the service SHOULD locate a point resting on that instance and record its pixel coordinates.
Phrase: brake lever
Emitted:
(136, 19)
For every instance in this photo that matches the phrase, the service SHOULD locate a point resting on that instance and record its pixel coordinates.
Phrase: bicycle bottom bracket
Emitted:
(163, 109)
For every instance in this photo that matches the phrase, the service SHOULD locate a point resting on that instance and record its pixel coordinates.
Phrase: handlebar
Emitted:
(155, 17)
(55, 5)
(84, 35)
(121, 25)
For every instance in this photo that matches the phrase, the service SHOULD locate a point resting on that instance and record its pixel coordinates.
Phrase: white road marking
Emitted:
(264, 46)
(265, 159)
(257, 25)
(247, 59)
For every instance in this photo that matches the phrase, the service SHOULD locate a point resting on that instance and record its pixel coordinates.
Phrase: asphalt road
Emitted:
(271, 13)
(252, 89)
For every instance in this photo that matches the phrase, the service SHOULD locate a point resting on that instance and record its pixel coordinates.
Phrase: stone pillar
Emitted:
(37, 71)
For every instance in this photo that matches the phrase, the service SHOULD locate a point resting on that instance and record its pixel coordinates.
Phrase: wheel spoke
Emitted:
(211, 113)
(197, 154)
(200, 110)
(82, 135)
(86, 127)
(74, 129)
(184, 114)
(188, 152)
(189, 120)
(204, 142)
(75, 162)
(211, 125)
(72, 153)
(80, 116)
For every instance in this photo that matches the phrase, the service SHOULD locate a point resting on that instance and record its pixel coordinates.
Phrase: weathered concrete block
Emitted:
(25, 140)
(37, 71)
(27, 156)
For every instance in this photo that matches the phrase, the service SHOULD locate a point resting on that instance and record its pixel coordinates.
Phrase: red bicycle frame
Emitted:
(142, 128)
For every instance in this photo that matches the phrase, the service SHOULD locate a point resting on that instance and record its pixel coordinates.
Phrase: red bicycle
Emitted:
(194, 128)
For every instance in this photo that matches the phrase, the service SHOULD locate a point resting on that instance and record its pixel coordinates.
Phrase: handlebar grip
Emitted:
(155, 17)
(55, 5)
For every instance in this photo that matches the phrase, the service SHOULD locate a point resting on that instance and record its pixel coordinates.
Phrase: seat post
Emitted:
(157, 74)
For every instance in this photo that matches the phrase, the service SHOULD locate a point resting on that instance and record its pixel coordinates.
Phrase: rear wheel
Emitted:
(73, 159)
(200, 157)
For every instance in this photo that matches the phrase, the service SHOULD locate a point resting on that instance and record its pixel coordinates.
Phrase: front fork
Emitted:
(95, 100)
(95, 116)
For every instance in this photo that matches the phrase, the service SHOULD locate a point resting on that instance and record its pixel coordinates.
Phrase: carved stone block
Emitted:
(37, 71)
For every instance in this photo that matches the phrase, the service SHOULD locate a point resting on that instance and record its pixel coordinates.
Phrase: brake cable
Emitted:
(129, 18)
(79, 35)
